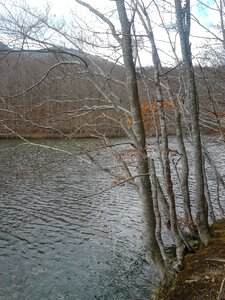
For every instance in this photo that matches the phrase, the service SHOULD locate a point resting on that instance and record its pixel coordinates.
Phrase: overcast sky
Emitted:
(63, 8)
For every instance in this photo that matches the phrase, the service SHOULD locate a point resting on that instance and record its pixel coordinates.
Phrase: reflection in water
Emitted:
(57, 244)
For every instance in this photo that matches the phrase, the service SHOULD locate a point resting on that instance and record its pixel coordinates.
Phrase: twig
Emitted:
(221, 290)
(43, 78)
(115, 185)
(216, 259)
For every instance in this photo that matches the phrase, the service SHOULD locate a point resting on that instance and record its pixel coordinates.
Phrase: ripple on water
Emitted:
(60, 245)
(56, 243)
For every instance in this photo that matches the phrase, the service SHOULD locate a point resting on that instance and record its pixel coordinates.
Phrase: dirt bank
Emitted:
(203, 276)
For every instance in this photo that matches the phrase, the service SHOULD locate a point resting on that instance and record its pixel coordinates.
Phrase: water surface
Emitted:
(61, 236)
(57, 243)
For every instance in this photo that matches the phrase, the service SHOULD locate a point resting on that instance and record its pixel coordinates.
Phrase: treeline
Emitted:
(64, 93)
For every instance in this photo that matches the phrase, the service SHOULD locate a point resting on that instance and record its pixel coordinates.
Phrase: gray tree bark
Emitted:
(164, 141)
(183, 25)
(145, 192)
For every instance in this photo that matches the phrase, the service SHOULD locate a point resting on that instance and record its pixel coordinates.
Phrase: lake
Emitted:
(65, 233)
(62, 239)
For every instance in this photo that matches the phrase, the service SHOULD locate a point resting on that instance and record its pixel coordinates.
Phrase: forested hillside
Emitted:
(62, 93)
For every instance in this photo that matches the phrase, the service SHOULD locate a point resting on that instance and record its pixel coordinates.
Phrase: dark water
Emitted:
(56, 243)
(61, 237)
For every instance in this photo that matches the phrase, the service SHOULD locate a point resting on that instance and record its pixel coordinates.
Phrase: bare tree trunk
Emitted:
(214, 104)
(221, 12)
(152, 247)
(183, 24)
(164, 147)
(179, 135)
(208, 196)
(158, 232)
(185, 168)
